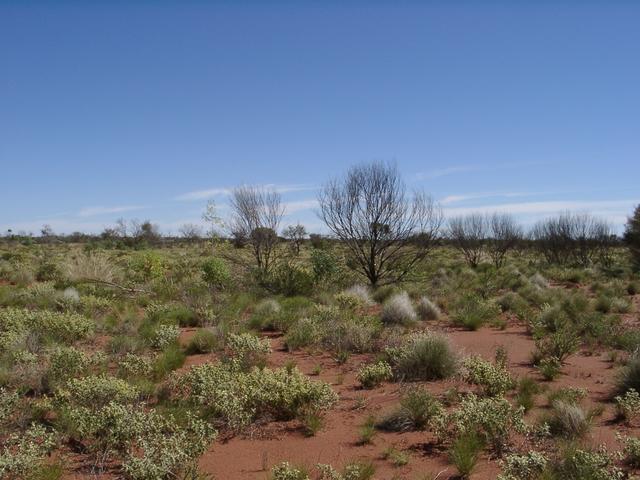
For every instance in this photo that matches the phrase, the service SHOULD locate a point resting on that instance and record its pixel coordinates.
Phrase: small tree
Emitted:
(632, 237)
(468, 233)
(296, 235)
(257, 213)
(504, 235)
(191, 232)
(386, 230)
(215, 222)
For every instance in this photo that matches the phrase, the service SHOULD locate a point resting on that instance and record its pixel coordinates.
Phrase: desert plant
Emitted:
(632, 237)
(374, 374)
(529, 466)
(629, 376)
(205, 340)
(628, 405)
(493, 378)
(399, 310)
(567, 420)
(465, 452)
(286, 471)
(417, 410)
(472, 312)
(424, 356)
(427, 310)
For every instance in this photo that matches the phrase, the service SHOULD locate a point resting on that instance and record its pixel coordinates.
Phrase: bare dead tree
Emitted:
(191, 232)
(296, 235)
(504, 235)
(468, 234)
(577, 238)
(386, 230)
(257, 213)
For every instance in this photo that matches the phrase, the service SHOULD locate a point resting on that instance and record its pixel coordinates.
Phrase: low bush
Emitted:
(418, 409)
(472, 312)
(374, 374)
(493, 378)
(567, 420)
(530, 466)
(628, 405)
(629, 376)
(286, 471)
(247, 351)
(205, 340)
(465, 452)
(399, 310)
(424, 356)
(427, 310)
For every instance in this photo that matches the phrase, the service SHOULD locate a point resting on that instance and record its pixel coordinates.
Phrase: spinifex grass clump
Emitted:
(424, 356)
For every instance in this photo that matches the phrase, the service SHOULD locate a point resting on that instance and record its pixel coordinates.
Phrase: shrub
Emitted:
(165, 335)
(291, 279)
(559, 344)
(494, 379)
(492, 418)
(399, 310)
(265, 314)
(631, 451)
(629, 376)
(472, 312)
(171, 358)
(205, 340)
(577, 464)
(381, 294)
(23, 454)
(570, 395)
(427, 310)
(96, 391)
(424, 356)
(568, 420)
(351, 471)
(367, 430)
(303, 333)
(360, 292)
(632, 238)
(539, 281)
(323, 265)
(549, 368)
(67, 362)
(247, 350)
(286, 471)
(374, 374)
(237, 397)
(628, 405)
(465, 452)
(131, 365)
(215, 273)
(418, 409)
(527, 389)
(529, 466)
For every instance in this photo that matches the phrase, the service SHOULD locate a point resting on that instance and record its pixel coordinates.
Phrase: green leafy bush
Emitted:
(424, 356)
(472, 312)
(418, 410)
(215, 273)
(374, 374)
(493, 378)
(247, 350)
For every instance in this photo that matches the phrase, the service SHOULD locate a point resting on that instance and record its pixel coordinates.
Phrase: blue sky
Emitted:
(146, 109)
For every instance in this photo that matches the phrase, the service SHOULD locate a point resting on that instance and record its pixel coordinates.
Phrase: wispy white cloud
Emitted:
(442, 172)
(222, 191)
(95, 211)
(613, 210)
(300, 205)
(449, 199)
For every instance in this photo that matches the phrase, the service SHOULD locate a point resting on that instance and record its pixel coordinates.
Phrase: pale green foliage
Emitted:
(132, 365)
(493, 378)
(95, 391)
(23, 453)
(529, 466)
(493, 418)
(247, 350)
(360, 293)
(286, 471)
(67, 362)
(238, 397)
(424, 356)
(167, 448)
(16, 324)
(631, 450)
(374, 374)
(628, 405)
(592, 465)
(8, 403)
(164, 336)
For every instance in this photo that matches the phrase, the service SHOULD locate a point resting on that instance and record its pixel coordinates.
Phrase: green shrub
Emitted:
(66, 362)
(577, 464)
(472, 312)
(164, 335)
(549, 368)
(465, 452)
(303, 333)
(205, 340)
(171, 358)
(237, 397)
(493, 378)
(631, 451)
(629, 376)
(351, 471)
(286, 471)
(628, 405)
(290, 279)
(418, 409)
(96, 391)
(424, 356)
(527, 389)
(374, 374)
(215, 273)
(132, 365)
(323, 265)
(247, 351)
(427, 310)
(23, 454)
(529, 466)
(492, 418)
